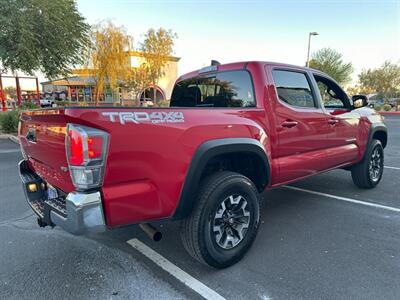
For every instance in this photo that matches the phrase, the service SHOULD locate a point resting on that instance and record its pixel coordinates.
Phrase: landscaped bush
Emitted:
(29, 105)
(62, 103)
(9, 121)
(378, 108)
(164, 103)
(387, 107)
(82, 104)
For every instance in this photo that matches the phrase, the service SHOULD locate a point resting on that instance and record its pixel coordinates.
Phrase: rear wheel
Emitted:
(224, 221)
(368, 173)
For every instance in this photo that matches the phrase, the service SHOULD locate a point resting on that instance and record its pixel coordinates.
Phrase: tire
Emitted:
(368, 173)
(216, 236)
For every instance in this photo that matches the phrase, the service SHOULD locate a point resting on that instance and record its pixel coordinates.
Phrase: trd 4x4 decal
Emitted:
(144, 117)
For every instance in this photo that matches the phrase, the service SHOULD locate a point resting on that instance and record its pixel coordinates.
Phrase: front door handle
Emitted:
(333, 121)
(289, 124)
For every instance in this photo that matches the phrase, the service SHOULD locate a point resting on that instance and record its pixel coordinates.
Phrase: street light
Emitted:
(309, 42)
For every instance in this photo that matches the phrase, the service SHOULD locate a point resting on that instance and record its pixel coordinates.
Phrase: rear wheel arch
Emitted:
(242, 155)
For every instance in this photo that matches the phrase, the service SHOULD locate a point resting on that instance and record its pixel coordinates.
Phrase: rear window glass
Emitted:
(225, 89)
(293, 88)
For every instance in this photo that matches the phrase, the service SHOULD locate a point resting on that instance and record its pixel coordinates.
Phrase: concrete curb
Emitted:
(9, 137)
(390, 113)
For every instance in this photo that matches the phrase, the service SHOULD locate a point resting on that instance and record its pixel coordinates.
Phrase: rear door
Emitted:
(301, 124)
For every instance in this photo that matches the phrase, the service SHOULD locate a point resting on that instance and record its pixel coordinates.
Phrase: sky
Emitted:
(366, 32)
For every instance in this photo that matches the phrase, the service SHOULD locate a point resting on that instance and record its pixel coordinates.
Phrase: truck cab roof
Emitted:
(236, 66)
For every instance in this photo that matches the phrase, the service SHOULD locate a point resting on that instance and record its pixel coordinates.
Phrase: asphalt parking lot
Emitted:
(322, 239)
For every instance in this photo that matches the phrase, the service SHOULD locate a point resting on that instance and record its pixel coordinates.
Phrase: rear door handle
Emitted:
(289, 124)
(333, 121)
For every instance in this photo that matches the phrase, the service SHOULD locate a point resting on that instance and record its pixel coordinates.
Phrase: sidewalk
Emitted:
(390, 113)
(6, 136)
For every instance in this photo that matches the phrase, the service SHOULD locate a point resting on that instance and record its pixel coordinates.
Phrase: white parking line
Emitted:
(395, 209)
(178, 273)
(9, 151)
(394, 168)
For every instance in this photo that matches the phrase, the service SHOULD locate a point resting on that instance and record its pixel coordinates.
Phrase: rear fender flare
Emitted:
(202, 156)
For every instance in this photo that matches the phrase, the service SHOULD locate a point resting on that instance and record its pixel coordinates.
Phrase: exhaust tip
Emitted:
(157, 236)
(151, 232)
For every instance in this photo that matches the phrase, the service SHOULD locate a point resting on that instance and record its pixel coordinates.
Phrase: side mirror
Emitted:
(359, 101)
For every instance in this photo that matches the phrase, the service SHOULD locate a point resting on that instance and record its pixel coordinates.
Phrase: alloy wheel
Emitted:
(375, 165)
(231, 221)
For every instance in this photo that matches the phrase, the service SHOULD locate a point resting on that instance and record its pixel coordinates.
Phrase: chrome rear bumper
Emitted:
(77, 213)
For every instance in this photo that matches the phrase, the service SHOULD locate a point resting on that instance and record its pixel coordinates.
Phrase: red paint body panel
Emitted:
(147, 163)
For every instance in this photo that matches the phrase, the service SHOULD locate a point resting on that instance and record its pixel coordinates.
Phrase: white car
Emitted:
(48, 102)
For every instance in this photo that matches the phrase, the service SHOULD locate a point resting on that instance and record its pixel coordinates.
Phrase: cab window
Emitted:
(293, 88)
(223, 89)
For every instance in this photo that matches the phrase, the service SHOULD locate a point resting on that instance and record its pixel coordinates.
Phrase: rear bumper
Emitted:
(77, 213)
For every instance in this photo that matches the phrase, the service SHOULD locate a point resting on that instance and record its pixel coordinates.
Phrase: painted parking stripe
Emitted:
(178, 273)
(394, 168)
(395, 209)
(9, 151)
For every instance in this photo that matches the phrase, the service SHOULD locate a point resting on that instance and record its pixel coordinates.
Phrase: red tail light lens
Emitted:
(76, 147)
(95, 146)
(86, 149)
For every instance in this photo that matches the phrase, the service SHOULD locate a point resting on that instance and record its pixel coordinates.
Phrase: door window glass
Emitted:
(332, 96)
(293, 88)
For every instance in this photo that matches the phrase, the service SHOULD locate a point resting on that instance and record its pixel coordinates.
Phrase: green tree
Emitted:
(157, 48)
(107, 56)
(41, 35)
(331, 62)
(384, 80)
(138, 79)
(11, 92)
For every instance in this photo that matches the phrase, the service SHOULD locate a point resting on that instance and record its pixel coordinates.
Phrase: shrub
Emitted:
(387, 107)
(9, 121)
(163, 103)
(61, 103)
(29, 105)
(378, 108)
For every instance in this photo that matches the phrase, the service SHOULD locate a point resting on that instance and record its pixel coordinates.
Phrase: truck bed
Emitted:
(149, 153)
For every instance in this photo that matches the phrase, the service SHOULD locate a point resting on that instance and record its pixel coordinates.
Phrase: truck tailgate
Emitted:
(42, 135)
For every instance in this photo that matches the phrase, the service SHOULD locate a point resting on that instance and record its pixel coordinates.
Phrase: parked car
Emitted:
(47, 102)
(231, 132)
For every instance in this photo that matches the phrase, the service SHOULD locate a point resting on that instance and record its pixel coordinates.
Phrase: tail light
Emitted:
(86, 150)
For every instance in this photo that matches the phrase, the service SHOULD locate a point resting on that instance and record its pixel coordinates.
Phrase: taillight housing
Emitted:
(86, 150)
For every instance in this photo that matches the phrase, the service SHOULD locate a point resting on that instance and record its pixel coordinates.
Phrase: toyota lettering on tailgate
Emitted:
(144, 117)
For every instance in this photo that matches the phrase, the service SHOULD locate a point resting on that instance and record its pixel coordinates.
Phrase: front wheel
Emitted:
(368, 173)
(224, 221)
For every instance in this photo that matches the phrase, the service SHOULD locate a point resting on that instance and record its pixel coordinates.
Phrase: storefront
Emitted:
(80, 87)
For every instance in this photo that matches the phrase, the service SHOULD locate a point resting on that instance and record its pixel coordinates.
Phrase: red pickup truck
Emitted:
(231, 132)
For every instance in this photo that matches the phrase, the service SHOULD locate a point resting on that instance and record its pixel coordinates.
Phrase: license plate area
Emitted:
(52, 192)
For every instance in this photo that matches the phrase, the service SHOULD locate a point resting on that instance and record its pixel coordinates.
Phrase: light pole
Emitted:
(308, 51)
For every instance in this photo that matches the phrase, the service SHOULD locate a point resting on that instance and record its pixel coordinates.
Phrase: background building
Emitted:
(80, 86)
